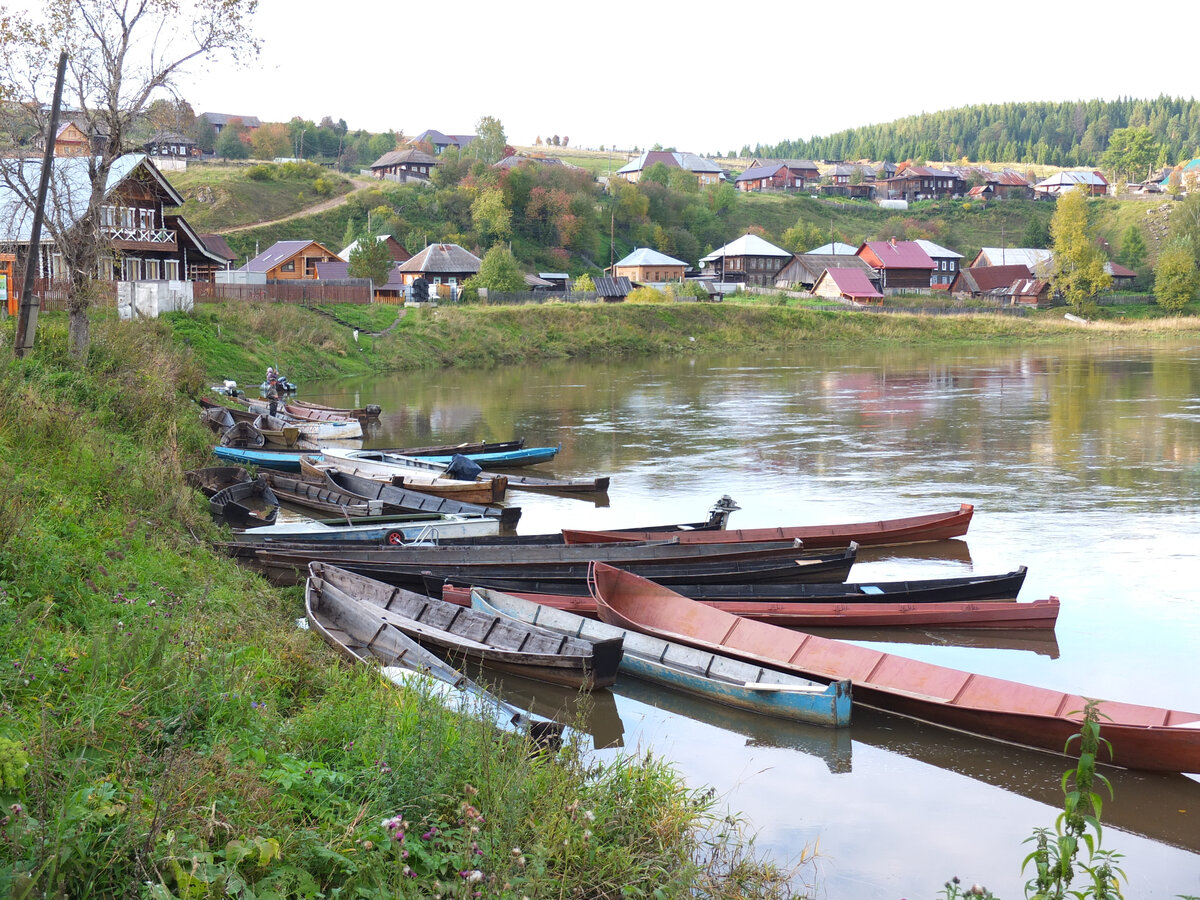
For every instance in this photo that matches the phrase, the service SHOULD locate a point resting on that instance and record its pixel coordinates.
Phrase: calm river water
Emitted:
(1083, 462)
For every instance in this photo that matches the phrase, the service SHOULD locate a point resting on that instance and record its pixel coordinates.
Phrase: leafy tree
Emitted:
(1176, 279)
(491, 216)
(203, 134)
(583, 283)
(657, 174)
(1133, 248)
(490, 140)
(682, 181)
(1130, 154)
(270, 140)
(229, 142)
(1036, 234)
(1185, 223)
(1078, 261)
(120, 56)
(370, 259)
(499, 271)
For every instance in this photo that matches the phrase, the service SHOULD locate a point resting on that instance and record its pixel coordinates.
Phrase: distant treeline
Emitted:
(1058, 134)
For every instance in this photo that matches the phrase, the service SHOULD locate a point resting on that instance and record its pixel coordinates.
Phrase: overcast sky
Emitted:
(700, 76)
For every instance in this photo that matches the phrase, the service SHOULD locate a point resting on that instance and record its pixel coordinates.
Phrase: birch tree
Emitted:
(122, 55)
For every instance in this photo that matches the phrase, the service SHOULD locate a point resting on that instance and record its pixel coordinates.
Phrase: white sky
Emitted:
(700, 76)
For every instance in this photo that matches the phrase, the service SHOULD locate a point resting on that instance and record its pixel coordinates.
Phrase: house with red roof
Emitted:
(902, 265)
(986, 281)
(846, 284)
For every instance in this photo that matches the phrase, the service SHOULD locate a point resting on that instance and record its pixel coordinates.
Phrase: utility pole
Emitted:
(27, 312)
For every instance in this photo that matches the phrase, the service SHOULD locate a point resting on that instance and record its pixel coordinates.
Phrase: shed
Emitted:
(846, 284)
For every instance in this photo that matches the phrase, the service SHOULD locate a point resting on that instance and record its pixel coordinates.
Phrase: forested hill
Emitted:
(1074, 133)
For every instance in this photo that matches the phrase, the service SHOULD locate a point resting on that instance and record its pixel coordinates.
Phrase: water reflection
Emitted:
(1040, 641)
(593, 713)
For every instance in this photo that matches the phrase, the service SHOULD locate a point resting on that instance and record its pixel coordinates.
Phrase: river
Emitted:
(1083, 462)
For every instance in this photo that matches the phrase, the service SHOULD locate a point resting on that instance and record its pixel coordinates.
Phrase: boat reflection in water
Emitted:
(593, 713)
(1154, 805)
(1036, 640)
(954, 550)
(831, 745)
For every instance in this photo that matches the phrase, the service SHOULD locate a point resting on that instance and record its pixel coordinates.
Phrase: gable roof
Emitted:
(984, 279)
(511, 162)
(438, 139)
(442, 258)
(1064, 179)
(748, 245)
(70, 190)
(1031, 257)
(279, 253)
(644, 256)
(386, 238)
(806, 268)
(411, 155)
(223, 119)
(900, 254)
(607, 286)
(672, 160)
(757, 172)
(1119, 271)
(217, 245)
(936, 251)
(851, 282)
(836, 247)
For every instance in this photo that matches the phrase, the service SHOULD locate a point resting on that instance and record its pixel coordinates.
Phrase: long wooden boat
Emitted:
(398, 530)
(245, 505)
(1026, 615)
(460, 635)
(319, 497)
(913, 529)
(311, 431)
(279, 434)
(721, 679)
(211, 479)
(450, 449)
(370, 411)
(1142, 737)
(280, 460)
(312, 423)
(512, 459)
(970, 588)
(244, 436)
(598, 485)
(413, 501)
(364, 634)
(375, 464)
(409, 567)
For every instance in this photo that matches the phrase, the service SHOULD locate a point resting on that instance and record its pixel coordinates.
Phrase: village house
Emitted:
(404, 165)
(290, 260)
(1093, 182)
(444, 266)
(1003, 185)
(644, 266)
(339, 271)
(219, 249)
(144, 241)
(1121, 277)
(218, 121)
(805, 268)
(946, 264)
(395, 249)
(903, 265)
(835, 248)
(610, 289)
(1037, 260)
(846, 284)
(442, 142)
(171, 144)
(1030, 292)
(748, 260)
(803, 172)
(511, 162)
(706, 171)
(779, 175)
(987, 281)
(924, 183)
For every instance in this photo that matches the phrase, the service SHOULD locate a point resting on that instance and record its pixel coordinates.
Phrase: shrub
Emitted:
(646, 295)
(261, 172)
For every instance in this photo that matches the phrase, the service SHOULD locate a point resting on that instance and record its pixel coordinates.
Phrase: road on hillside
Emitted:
(333, 203)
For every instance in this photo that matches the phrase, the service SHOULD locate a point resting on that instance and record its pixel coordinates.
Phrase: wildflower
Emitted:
(471, 875)
(429, 835)
(17, 809)
(368, 845)
(474, 829)
(516, 851)
(587, 833)
(589, 815)
(471, 790)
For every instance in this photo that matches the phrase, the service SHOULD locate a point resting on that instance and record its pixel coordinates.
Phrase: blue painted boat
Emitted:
(527, 457)
(272, 459)
(392, 530)
(720, 679)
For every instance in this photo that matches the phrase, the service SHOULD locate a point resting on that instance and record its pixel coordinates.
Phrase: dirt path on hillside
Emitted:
(333, 203)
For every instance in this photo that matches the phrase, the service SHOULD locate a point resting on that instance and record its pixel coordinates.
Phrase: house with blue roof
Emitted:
(645, 265)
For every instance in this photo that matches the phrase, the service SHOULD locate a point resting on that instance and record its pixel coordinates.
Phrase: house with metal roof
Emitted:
(705, 170)
(395, 249)
(144, 241)
(440, 142)
(290, 260)
(903, 265)
(447, 265)
(219, 120)
(846, 284)
(774, 177)
(644, 265)
(836, 248)
(404, 165)
(748, 260)
(1093, 182)
(987, 281)
(804, 269)
(804, 171)
(1035, 259)
(946, 263)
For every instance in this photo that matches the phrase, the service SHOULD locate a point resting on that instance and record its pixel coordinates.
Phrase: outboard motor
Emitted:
(718, 516)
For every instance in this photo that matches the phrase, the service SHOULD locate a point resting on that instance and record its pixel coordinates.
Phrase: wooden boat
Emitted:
(413, 501)
(914, 529)
(279, 434)
(302, 413)
(364, 634)
(971, 588)
(1142, 737)
(461, 635)
(280, 460)
(211, 479)
(320, 497)
(409, 566)
(370, 411)
(450, 449)
(400, 472)
(217, 417)
(720, 679)
(1035, 614)
(245, 505)
(313, 427)
(244, 436)
(415, 527)
(558, 485)
(529, 456)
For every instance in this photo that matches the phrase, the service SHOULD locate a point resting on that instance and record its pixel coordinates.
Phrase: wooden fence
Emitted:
(494, 297)
(52, 293)
(302, 292)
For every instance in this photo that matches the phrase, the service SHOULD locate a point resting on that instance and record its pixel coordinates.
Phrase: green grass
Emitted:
(219, 196)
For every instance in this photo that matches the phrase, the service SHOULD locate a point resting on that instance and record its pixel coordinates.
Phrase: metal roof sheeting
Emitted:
(443, 258)
(852, 283)
(901, 255)
(748, 245)
(644, 256)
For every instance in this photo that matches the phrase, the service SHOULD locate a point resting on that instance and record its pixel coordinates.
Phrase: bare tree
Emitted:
(122, 55)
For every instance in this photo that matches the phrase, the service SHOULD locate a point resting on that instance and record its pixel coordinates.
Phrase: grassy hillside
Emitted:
(222, 195)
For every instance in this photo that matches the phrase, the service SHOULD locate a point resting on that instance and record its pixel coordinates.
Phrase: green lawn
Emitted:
(219, 195)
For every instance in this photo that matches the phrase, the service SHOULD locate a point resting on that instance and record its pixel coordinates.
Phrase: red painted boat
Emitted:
(1016, 615)
(911, 530)
(1142, 737)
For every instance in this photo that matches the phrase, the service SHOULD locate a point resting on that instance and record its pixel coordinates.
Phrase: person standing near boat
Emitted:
(272, 389)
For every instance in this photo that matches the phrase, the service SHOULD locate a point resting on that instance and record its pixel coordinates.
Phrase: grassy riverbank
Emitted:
(239, 342)
(167, 731)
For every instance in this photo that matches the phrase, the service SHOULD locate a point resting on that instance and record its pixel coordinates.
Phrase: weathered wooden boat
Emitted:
(450, 449)
(461, 635)
(1141, 737)
(528, 456)
(400, 471)
(363, 633)
(211, 479)
(301, 413)
(413, 501)
(313, 430)
(286, 563)
(280, 434)
(217, 417)
(404, 529)
(970, 588)
(320, 497)
(913, 529)
(558, 485)
(721, 679)
(244, 436)
(1026, 615)
(280, 460)
(245, 505)
(370, 411)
